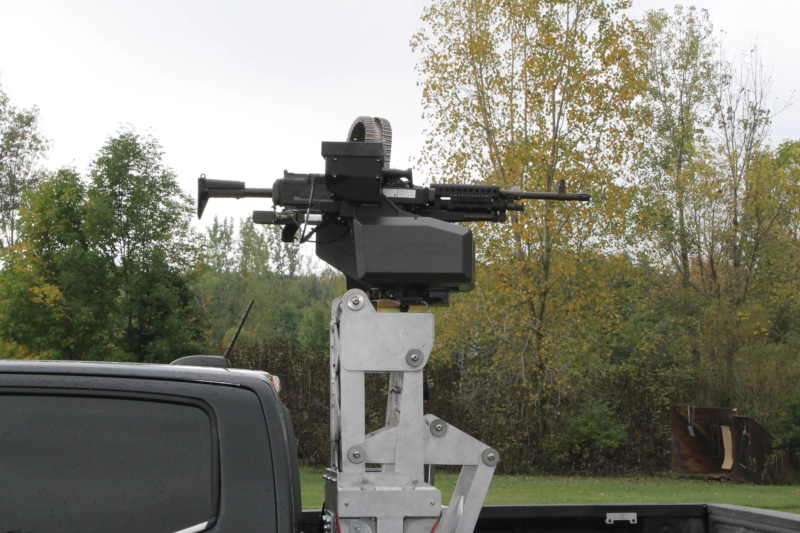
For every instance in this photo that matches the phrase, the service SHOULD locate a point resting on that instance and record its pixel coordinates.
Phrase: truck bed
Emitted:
(632, 518)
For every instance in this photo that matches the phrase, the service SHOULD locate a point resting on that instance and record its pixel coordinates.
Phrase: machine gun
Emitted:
(398, 241)
(391, 238)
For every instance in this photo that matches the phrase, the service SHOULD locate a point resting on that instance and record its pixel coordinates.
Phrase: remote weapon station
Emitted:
(393, 240)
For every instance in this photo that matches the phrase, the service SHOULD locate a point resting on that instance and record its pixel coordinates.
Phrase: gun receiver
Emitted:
(391, 238)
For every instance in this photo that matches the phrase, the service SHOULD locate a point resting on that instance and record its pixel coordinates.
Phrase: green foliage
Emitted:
(313, 333)
(140, 220)
(54, 295)
(22, 146)
(245, 261)
(591, 437)
(787, 424)
(104, 270)
(678, 283)
(524, 94)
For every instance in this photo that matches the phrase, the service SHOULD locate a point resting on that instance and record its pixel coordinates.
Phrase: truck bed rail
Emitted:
(630, 518)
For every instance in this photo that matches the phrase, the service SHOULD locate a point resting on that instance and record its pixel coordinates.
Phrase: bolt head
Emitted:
(490, 457)
(439, 427)
(346, 504)
(355, 301)
(415, 357)
(356, 454)
(433, 502)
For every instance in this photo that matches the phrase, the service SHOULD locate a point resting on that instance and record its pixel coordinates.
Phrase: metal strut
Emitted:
(393, 498)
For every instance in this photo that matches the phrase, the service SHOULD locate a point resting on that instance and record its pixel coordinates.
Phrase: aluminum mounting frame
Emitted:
(395, 499)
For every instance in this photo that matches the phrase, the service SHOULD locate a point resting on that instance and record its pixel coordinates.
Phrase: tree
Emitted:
(292, 303)
(742, 122)
(140, 220)
(104, 270)
(56, 290)
(285, 257)
(679, 68)
(716, 212)
(744, 202)
(525, 93)
(22, 146)
(219, 245)
(253, 249)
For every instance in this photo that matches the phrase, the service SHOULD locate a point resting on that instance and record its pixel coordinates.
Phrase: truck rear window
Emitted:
(99, 464)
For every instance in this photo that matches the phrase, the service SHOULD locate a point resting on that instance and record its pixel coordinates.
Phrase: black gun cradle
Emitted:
(389, 237)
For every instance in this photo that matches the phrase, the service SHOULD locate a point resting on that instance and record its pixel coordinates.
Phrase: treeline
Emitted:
(293, 293)
(678, 283)
(106, 265)
(93, 281)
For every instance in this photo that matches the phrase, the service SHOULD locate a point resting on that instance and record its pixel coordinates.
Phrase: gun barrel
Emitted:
(564, 196)
(257, 193)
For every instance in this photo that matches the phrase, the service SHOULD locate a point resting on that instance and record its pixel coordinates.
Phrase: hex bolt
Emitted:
(490, 456)
(439, 427)
(358, 454)
(415, 357)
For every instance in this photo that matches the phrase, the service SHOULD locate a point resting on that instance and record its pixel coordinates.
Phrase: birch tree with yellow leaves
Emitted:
(525, 93)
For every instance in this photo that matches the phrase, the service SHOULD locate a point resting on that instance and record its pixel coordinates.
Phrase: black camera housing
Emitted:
(354, 170)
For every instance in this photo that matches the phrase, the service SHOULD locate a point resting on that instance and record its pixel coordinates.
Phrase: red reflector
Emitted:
(276, 383)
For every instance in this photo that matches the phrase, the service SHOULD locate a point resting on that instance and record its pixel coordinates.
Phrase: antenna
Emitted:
(227, 353)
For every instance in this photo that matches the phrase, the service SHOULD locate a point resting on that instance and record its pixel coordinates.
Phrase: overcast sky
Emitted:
(243, 90)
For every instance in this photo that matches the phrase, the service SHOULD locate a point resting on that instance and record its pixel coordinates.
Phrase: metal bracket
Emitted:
(620, 517)
(395, 499)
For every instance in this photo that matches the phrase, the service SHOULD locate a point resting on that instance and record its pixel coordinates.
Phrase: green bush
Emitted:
(590, 438)
(787, 425)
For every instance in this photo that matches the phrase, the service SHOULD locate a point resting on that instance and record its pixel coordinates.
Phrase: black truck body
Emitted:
(104, 447)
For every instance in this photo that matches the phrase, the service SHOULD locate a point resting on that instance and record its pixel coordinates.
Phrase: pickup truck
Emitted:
(117, 447)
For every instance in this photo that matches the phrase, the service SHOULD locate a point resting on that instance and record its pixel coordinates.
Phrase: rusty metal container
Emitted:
(716, 441)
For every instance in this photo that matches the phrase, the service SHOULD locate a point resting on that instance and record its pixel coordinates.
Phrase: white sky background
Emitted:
(243, 90)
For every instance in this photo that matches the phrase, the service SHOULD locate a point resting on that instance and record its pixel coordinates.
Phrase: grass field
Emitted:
(518, 490)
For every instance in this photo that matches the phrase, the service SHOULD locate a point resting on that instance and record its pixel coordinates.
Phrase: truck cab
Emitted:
(99, 447)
